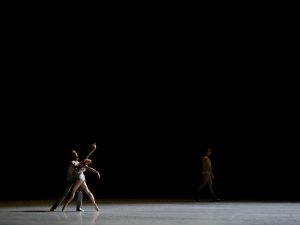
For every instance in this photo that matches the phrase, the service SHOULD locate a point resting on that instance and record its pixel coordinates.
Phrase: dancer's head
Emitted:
(208, 151)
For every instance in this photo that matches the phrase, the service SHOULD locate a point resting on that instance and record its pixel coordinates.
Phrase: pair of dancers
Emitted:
(76, 181)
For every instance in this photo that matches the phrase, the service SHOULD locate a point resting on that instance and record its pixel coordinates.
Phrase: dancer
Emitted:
(71, 172)
(207, 177)
(81, 182)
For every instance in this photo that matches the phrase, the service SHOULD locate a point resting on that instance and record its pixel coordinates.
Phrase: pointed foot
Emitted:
(96, 207)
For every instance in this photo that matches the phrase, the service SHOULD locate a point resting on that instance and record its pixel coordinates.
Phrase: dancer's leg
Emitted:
(75, 187)
(79, 199)
(210, 188)
(90, 194)
(63, 196)
(204, 181)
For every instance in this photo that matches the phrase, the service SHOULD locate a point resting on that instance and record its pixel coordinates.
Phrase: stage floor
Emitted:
(152, 212)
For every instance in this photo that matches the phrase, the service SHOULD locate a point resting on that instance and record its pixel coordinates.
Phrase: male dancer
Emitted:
(207, 177)
(71, 171)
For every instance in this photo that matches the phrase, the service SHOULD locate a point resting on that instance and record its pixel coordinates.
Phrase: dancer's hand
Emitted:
(98, 174)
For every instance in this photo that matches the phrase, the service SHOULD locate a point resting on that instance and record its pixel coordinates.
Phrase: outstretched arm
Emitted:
(93, 170)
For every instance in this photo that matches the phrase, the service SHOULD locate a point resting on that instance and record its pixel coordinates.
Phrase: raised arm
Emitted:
(91, 152)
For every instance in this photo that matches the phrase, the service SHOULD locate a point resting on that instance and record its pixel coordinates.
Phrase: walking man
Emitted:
(207, 177)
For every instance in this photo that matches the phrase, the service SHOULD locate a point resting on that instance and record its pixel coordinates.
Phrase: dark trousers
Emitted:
(206, 181)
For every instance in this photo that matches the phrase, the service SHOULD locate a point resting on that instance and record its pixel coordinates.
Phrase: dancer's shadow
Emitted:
(30, 211)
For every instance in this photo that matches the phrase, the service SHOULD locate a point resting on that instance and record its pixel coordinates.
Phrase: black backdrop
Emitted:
(153, 97)
(152, 156)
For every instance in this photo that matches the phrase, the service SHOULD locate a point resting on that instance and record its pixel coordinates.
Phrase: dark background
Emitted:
(150, 143)
(153, 95)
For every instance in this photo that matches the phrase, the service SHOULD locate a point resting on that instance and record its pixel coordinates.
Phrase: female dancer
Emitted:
(80, 182)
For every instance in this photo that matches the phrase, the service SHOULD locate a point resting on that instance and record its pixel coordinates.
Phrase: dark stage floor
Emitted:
(152, 211)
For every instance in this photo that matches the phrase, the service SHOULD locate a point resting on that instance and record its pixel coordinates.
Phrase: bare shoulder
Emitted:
(205, 158)
(76, 163)
(73, 162)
